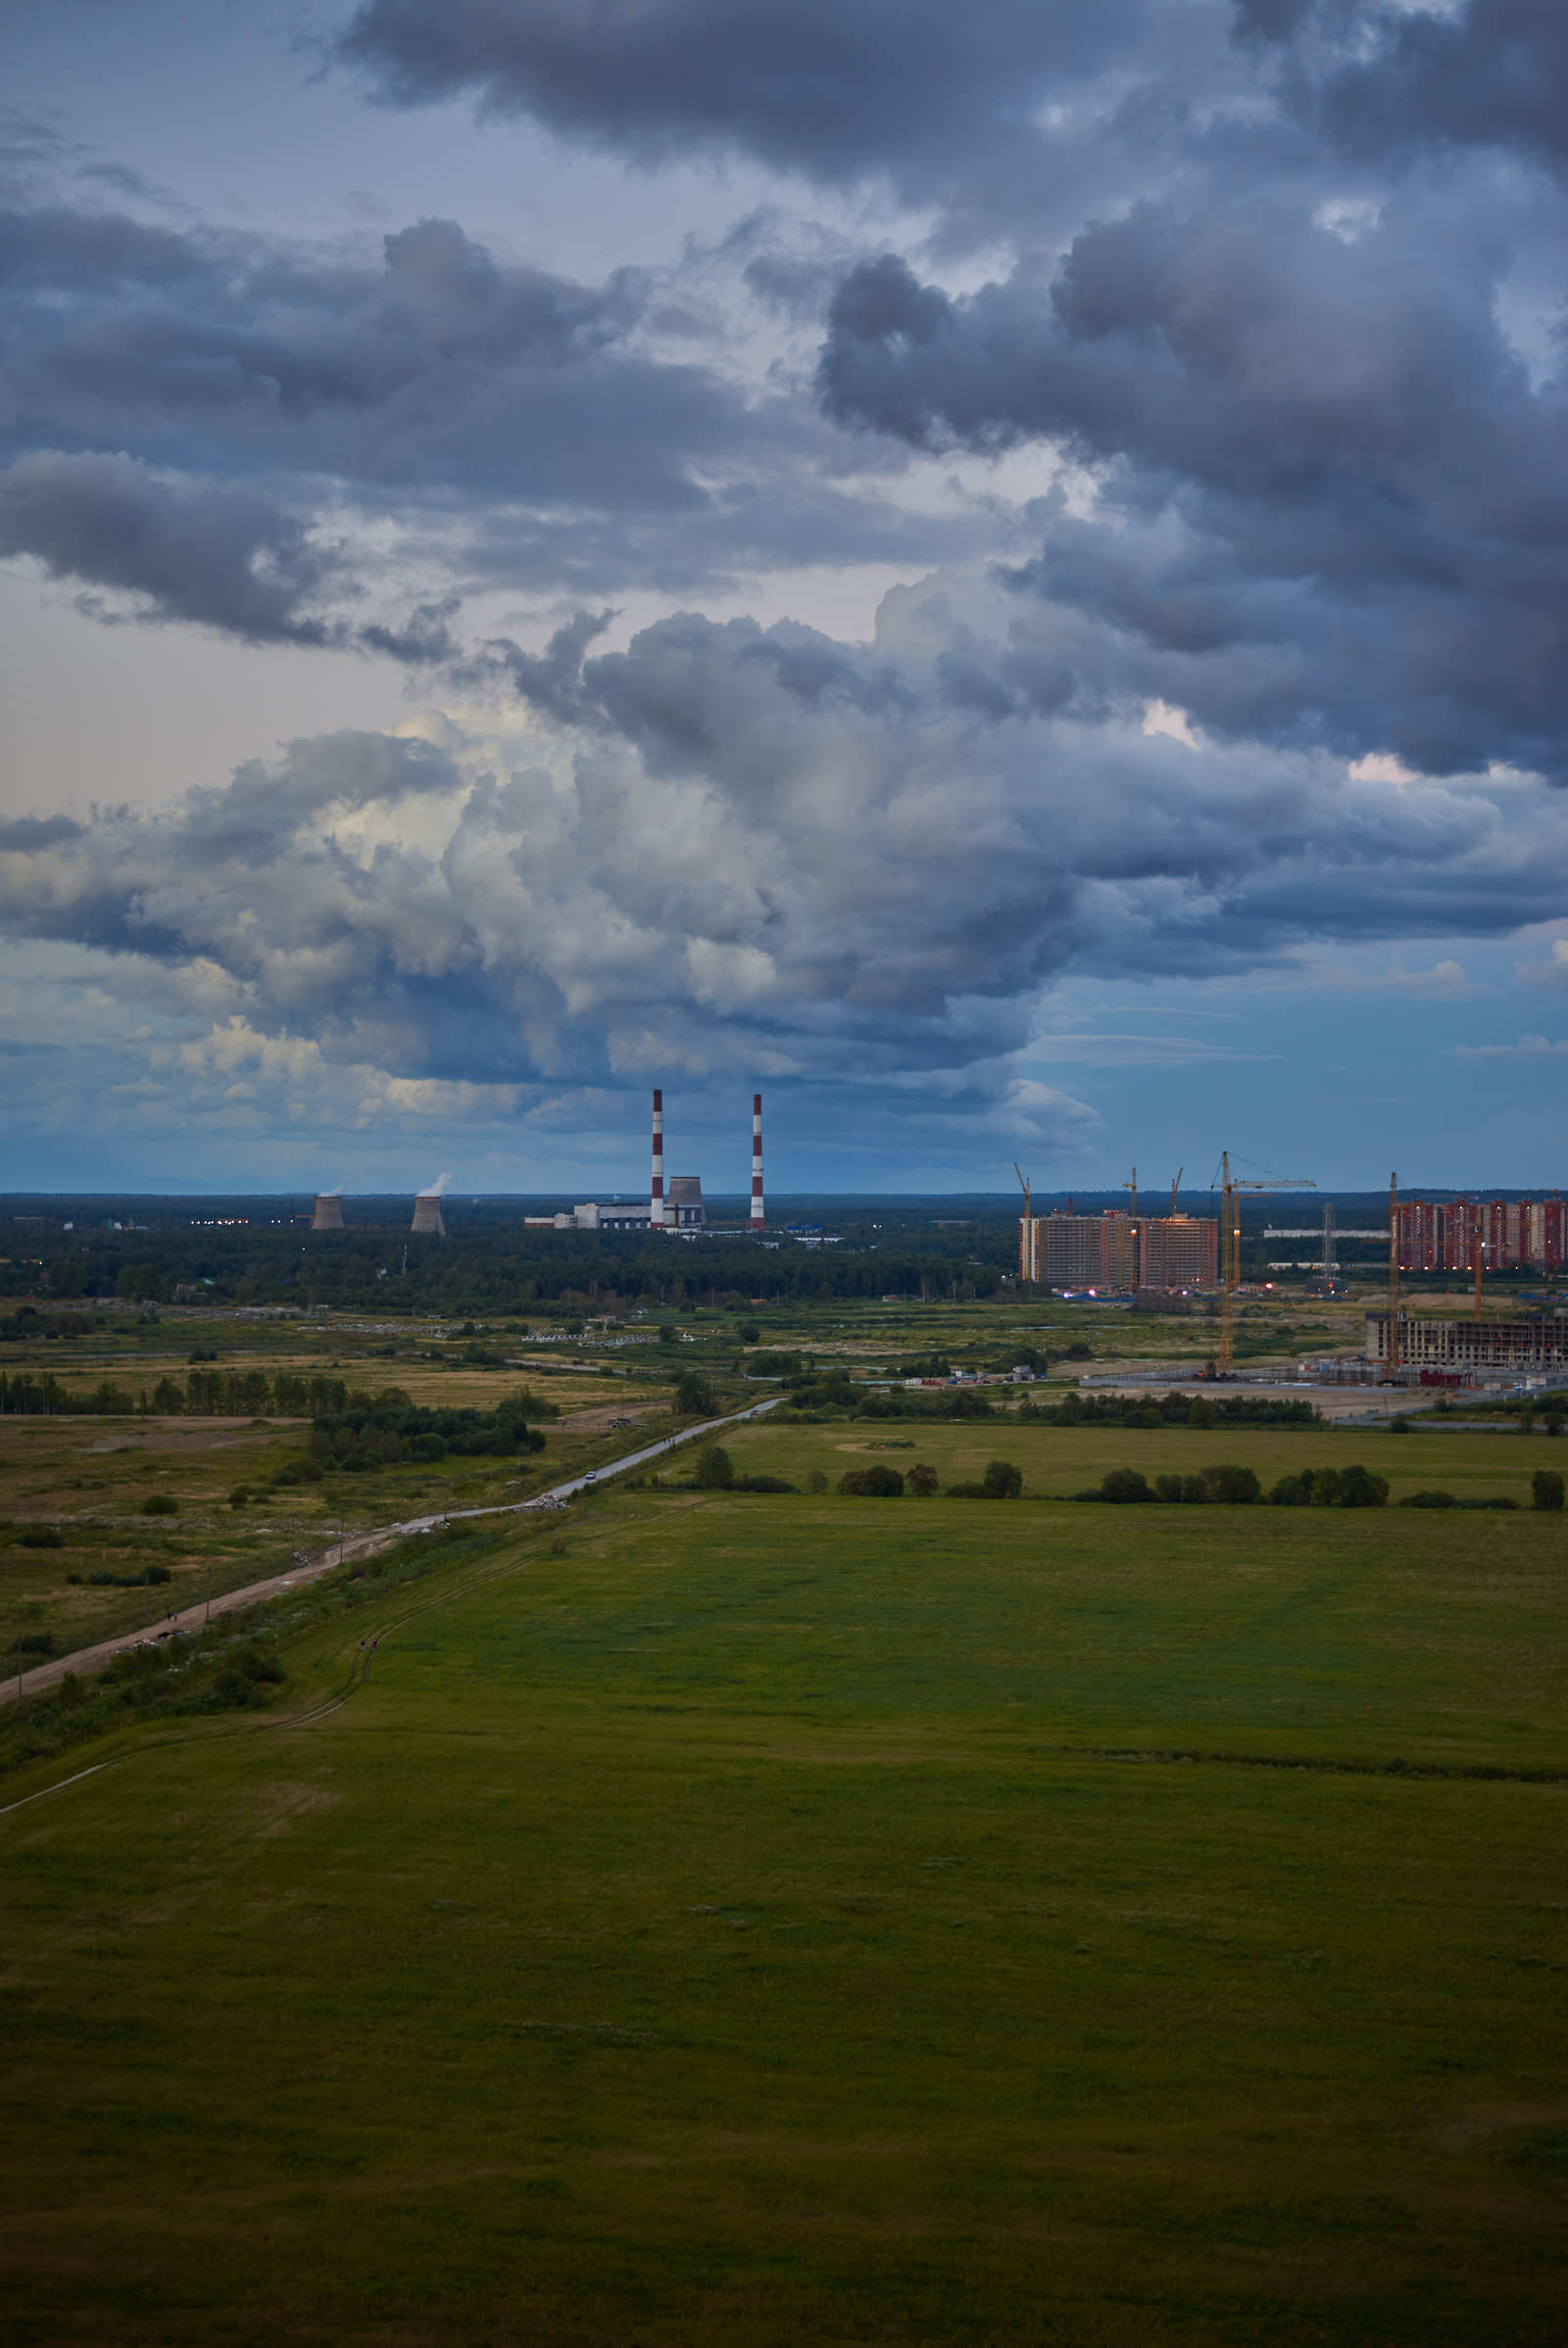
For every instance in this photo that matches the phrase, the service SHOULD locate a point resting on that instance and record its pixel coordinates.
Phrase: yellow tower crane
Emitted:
(1230, 1245)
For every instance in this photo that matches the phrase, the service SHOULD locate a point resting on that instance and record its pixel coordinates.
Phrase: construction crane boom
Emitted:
(1026, 1268)
(1230, 1245)
(1175, 1188)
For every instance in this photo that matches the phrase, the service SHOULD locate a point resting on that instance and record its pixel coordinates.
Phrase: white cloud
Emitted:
(1530, 1047)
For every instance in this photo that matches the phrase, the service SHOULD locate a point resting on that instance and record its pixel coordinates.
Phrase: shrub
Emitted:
(761, 1484)
(1168, 1488)
(716, 1470)
(1123, 1484)
(816, 1480)
(1501, 1500)
(694, 1394)
(876, 1483)
(977, 1491)
(1293, 1492)
(922, 1481)
(1361, 1489)
(749, 1333)
(1232, 1486)
(159, 1503)
(35, 1642)
(240, 1494)
(1002, 1480)
(1546, 1489)
(1429, 1499)
(40, 1537)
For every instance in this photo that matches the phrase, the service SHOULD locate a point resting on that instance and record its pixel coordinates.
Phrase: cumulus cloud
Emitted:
(729, 849)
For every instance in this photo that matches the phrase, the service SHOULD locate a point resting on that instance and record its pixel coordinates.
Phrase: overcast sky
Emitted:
(997, 572)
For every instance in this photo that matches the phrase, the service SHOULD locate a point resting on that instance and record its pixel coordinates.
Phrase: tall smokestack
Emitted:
(656, 1189)
(757, 1217)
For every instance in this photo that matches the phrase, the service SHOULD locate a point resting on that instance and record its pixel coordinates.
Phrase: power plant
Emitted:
(328, 1215)
(674, 1202)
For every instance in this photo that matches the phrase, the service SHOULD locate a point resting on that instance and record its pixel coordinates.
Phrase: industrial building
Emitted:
(1508, 1233)
(1517, 1342)
(328, 1215)
(679, 1209)
(1116, 1251)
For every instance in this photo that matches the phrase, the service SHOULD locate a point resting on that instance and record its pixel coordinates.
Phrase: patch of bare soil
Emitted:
(606, 1417)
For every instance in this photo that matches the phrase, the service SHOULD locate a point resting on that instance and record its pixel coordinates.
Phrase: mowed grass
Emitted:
(720, 1920)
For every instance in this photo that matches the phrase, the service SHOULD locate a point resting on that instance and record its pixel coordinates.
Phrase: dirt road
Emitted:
(310, 1568)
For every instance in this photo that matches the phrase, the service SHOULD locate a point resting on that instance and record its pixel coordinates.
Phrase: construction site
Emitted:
(1121, 1254)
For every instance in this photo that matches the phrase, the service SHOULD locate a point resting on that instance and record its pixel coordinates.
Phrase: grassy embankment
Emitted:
(734, 1929)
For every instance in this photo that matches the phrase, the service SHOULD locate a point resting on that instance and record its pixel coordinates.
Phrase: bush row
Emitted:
(1352, 1486)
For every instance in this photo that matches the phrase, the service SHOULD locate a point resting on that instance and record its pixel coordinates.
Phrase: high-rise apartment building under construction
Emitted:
(1509, 1234)
(1118, 1251)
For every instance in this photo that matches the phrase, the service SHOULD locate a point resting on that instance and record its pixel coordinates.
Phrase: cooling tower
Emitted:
(328, 1216)
(428, 1215)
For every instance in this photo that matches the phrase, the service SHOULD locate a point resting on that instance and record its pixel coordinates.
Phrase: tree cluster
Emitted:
(379, 1431)
(1232, 1486)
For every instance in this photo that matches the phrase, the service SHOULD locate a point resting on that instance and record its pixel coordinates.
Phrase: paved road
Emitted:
(86, 1660)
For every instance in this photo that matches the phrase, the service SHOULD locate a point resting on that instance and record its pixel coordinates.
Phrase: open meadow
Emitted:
(803, 1918)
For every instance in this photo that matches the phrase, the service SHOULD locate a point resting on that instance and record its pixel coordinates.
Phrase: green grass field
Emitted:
(787, 1920)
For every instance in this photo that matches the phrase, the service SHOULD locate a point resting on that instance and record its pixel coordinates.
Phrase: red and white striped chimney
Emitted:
(757, 1217)
(656, 1198)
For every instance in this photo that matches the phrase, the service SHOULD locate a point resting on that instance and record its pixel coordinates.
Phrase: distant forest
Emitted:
(260, 1250)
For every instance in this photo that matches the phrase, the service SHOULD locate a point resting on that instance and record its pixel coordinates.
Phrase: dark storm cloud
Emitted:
(1333, 506)
(816, 86)
(201, 421)
(1379, 79)
(926, 94)
(225, 558)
